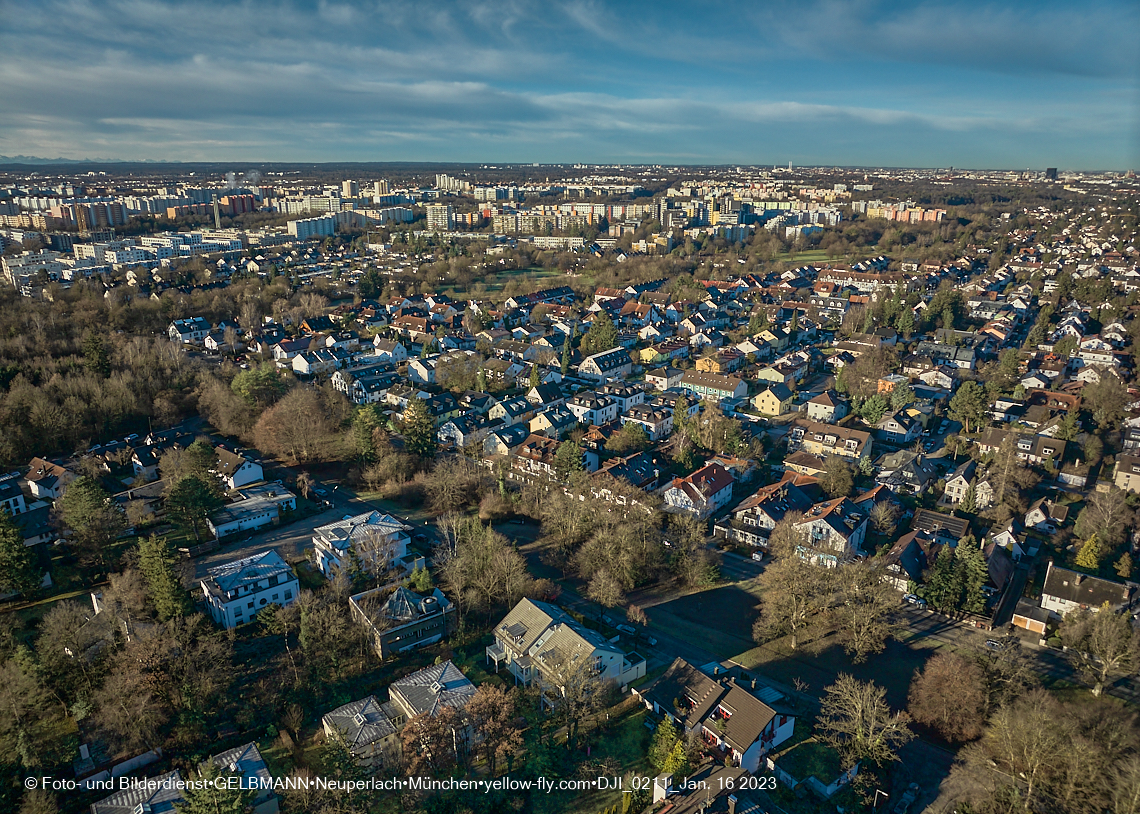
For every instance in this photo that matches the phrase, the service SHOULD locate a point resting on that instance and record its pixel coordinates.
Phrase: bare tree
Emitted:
(795, 591)
(855, 719)
(884, 517)
(605, 589)
(863, 609)
(1107, 515)
(1106, 644)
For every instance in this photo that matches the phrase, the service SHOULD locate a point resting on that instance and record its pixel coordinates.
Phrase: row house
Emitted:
(829, 439)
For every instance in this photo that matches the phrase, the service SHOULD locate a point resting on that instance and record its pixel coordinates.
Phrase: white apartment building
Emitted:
(236, 591)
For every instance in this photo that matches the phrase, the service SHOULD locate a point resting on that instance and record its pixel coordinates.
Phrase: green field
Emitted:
(719, 619)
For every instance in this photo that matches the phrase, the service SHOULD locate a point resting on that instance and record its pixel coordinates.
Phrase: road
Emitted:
(1047, 662)
(289, 541)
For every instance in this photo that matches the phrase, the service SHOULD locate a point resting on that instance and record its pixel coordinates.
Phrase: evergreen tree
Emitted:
(943, 588)
(904, 324)
(1124, 566)
(157, 563)
(602, 336)
(481, 381)
(364, 425)
(95, 356)
(535, 381)
(874, 409)
(18, 570)
(191, 501)
(212, 797)
(677, 763)
(969, 503)
(969, 405)
(93, 517)
(419, 429)
(1068, 428)
(975, 573)
(420, 580)
(1088, 558)
(567, 460)
(565, 355)
(901, 396)
(661, 747)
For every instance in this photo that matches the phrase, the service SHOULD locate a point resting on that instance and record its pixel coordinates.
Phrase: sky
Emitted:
(961, 83)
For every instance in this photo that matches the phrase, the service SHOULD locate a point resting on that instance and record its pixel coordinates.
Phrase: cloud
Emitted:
(583, 79)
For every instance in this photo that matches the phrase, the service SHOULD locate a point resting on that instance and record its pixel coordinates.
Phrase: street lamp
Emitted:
(875, 805)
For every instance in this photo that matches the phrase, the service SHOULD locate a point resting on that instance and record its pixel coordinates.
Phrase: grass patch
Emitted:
(310, 578)
(720, 618)
(811, 759)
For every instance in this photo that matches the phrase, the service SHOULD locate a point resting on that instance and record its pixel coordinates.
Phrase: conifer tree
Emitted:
(157, 564)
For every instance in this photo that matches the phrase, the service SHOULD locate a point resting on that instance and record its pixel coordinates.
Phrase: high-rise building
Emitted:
(1051, 173)
(349, 189)
(381, 187)
(440, 217)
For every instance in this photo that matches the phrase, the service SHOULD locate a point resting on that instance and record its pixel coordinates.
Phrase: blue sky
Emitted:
(851, 82)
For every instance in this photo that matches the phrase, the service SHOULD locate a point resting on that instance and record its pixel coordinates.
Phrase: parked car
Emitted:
(630, 629)
(915, 600)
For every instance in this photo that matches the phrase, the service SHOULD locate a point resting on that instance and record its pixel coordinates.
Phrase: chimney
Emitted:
(753, 683)
(732, 804)
(716, 670)
(1078, 580)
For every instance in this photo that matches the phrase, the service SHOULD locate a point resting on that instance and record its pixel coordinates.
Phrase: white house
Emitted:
(592, 408)
(701, 493)
(377, 540)
(1065, 591)
(609, 364)
(236, 470)
(236, 591)
(191, 331)
(255, 507)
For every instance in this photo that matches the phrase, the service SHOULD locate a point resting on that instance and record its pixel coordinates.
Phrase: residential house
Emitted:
(657, 423)
(390, 350)
(236, 591)
(1126, 475)
(1035, 449)
(664, 378)
(757, 515)
(540, 642)
(46, 480)
(191, 331)
(775, 400)
(515, 410)
(910, 557)
(505, 440)
(833, 531)
(906, 472)
(1046, 516)
(625, 396)
(152, 795)
(609, 364)
(398, 620)
(255, 507)
(592, 408)
(828, 407)
(729, 712)
(945, 527)
(897, 428)
(712, 386)
(236, 470)
(959, 482)
(285, 351)
(372, 540)
(246, 762)
(553, 423)
(829, 439)
(368, 728)
(1065, 591)
(700, 494)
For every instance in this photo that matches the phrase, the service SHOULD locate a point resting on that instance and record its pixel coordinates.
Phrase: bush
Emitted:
(494, 508)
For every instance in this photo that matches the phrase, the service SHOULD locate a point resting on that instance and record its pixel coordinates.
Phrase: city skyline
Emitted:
(853, 84)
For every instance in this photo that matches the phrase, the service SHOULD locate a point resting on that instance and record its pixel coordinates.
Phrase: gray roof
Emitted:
(361, 722)
(245, 760)
(429, 689)
(230, 575)
(154, 797)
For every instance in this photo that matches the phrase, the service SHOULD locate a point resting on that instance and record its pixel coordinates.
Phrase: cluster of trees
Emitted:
(802, 599)
(956, 579)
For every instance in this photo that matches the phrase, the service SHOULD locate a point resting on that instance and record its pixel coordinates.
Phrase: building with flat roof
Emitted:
(255, 507)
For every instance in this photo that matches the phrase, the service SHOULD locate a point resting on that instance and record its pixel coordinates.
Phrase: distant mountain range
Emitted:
(35, 159)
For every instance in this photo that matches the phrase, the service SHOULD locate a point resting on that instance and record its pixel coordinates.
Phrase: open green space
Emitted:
(720, 619)
(811, 759)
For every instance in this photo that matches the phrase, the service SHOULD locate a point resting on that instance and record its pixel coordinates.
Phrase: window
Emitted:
(274, 597)
(250, 605)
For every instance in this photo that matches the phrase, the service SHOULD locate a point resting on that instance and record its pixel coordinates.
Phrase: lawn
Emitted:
(820, 662)
(720, 619)
(811, 759)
